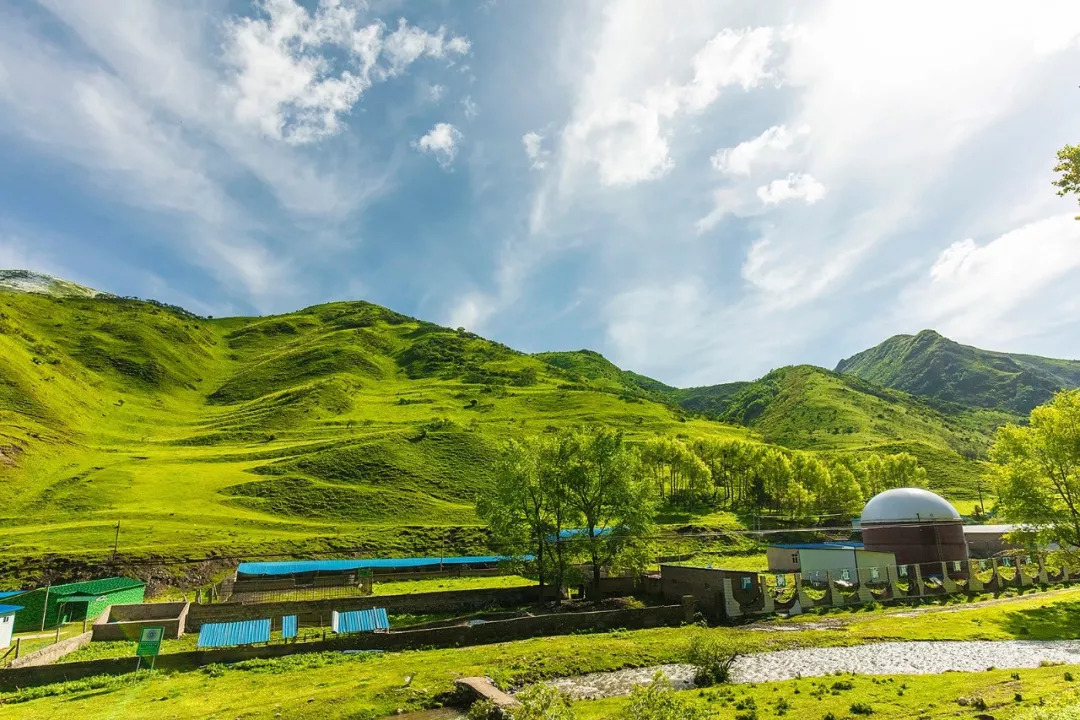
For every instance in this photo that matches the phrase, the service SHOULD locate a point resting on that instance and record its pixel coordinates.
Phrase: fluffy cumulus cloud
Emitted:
(535, 150)
(749, 154)
(796, 186)
(1004, 288)
(441, 142)
(297, 73)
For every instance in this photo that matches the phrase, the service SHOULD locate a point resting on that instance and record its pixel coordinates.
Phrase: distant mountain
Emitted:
(590, 366)
(812, 408)
(933, 366)
(28, 281)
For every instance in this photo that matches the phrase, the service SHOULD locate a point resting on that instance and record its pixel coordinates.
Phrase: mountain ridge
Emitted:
(930, 365)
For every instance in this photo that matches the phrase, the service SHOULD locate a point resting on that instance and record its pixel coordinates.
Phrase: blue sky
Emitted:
(702, 191)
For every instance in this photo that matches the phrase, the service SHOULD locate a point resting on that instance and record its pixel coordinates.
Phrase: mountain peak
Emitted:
(932, 365)
(29, 281)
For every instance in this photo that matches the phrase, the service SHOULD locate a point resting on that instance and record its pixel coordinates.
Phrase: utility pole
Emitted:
(116, 541)
(982, 508)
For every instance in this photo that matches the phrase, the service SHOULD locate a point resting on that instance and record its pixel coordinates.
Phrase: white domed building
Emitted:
(916, 525)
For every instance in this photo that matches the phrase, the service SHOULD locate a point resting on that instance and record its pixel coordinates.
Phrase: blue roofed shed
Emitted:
(299, 567)
(7, 623)
(241, 632)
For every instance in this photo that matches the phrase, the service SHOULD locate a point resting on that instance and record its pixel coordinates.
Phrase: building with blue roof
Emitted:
(302, 567)
(837, 558)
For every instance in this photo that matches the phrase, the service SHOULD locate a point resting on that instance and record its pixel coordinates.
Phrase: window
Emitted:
(747, 583)
(794, 558)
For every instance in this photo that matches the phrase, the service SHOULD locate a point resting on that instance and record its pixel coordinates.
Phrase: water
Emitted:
(894, 658)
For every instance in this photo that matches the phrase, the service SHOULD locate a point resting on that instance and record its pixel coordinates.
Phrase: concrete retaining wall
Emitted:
(458, 636)
(317, 612)
(125, 622)
(51, 653)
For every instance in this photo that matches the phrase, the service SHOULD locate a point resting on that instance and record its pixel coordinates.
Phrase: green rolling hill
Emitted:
(933, 366)
(348, 425)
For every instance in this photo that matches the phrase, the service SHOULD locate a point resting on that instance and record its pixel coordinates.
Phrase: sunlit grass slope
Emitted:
(336, 426)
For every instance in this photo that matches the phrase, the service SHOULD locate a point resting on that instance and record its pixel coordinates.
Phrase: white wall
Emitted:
(7, 624)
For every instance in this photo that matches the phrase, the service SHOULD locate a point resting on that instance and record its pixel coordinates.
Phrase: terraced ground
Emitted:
(349, 426)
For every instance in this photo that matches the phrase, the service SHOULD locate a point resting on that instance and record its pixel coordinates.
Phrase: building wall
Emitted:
(782, 560)
(918, 543)
(986, 544)
(826, 559)
(7, 625)
(29, 618)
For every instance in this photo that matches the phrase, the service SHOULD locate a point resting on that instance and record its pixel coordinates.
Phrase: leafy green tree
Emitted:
(658, 701)
(606, 489)
(809, 472)
(773, 472)
(527, 506)
(1038, 471)
(902, 470)
(1069, 167)
(842, 494)
(673, 464)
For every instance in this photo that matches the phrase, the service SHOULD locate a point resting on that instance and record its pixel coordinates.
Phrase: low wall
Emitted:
(51, 653)
(125, 622)
(317, 612)
(457, 636)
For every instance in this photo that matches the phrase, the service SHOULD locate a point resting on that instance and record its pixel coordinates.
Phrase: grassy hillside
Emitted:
(341, 425)
(933, 366)
(810, 408)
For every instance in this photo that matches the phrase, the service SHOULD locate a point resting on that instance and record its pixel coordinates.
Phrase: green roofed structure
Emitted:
(72, 602)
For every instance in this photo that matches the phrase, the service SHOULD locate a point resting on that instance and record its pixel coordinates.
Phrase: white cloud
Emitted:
(287, 83)
(433, 93)
(534, 148)
(625, 132)
(796, 186)
(469, 107)
(471, 311)
(742, 158)
(1005, 288)
(441, 142)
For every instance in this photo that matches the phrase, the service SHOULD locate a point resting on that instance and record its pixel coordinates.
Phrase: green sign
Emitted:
(150, 641)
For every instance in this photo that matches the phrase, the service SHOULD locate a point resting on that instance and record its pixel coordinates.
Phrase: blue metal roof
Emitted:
(360, 621)
(11, 593)
(822, 546)
(242, 632)
(8, 609)
(292, 567)
(583, 532)
(288, 626)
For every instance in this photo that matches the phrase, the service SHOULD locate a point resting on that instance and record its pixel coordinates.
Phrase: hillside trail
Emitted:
(775, 624)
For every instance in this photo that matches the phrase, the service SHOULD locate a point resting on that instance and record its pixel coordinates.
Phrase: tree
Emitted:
(606, 489)
(526, 508)
(1038, 471)
(842, 494)
(902, 470)
(672, 464)
(1069, 167)
(773, 476)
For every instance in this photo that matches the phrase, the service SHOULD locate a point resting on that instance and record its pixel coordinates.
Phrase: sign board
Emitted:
(150, 641)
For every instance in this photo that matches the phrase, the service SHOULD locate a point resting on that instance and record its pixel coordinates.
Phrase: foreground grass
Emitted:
(339, 685)
(1034, 693)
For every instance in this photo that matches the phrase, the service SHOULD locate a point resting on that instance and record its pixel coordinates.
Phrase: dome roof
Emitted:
(908, 505)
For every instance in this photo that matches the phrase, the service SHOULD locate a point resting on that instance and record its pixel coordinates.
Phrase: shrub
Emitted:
(542, 702)
(655, 701)
(861, 709)
(712, 659)
(1068, 677)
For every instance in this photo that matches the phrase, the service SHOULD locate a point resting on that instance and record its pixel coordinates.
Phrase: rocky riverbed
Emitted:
(893, 658)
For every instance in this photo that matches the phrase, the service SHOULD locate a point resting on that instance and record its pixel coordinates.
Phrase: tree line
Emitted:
(586, 493)
(743, 476)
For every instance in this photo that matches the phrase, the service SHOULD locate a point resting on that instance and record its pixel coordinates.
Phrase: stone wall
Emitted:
(51, 653)
(457, 636)
(317, 612)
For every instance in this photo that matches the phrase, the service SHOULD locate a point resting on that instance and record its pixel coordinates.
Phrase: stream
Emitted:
(890, 658)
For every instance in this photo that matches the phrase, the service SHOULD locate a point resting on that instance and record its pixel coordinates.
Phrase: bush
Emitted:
(861, 709)
(712, 659)
(656, 701)
(541, 702)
